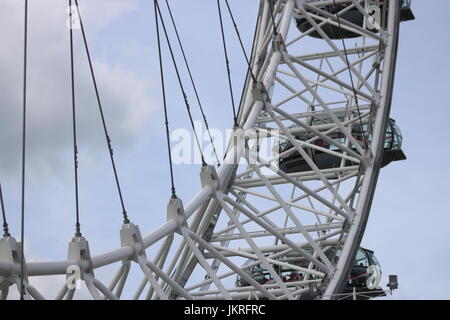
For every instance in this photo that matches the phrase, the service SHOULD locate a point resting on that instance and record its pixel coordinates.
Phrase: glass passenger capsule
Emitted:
(364, 276)
(291, 160)
(350, 14)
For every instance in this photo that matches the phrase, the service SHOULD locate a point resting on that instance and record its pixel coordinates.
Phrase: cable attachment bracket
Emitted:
(81, 268)
(209, 177)
(130, 236)
(175, 211)
(278, 44)
(11, 252)
(79, 255)
(259, 92)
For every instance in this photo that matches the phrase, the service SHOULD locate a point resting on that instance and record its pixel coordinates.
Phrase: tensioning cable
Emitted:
(163, 89)
(74, 125)
(247, 59)
(238, 34)
(192, 79)
(180, 82)
(272, 8)
(250, 70)
(227, 64)
(5, 223)
(108, 139)
(24, 131)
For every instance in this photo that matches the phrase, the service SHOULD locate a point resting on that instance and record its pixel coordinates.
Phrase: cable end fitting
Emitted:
(125, 218)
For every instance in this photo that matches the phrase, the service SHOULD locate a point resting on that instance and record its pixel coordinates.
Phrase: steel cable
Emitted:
(5, 223)
(227, 63)
(74, 125)
(192, 80)
(108, 139)
(24, 121)
(180, 82)
(163, 88)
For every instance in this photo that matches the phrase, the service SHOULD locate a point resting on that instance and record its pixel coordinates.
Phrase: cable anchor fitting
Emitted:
(209, 177)
(278, 44)
(175, 211)
(259, 92)
(130, 236)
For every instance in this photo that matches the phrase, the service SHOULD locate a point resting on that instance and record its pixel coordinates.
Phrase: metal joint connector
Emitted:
(130, 236)
(175, 211)
(209, 177)
(278, 43)
(80, 255)
(259, 92)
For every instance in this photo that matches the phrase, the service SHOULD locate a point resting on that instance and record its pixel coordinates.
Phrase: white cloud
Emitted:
(125, 97)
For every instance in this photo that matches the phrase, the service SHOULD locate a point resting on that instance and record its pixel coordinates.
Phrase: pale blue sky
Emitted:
(410, 220)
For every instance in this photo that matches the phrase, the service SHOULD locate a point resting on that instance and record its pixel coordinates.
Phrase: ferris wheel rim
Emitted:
(389, 68)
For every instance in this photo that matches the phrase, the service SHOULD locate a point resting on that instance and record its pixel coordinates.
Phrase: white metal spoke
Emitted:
(254, 246)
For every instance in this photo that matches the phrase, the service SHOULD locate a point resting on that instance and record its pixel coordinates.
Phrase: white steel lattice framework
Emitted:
(255, 210)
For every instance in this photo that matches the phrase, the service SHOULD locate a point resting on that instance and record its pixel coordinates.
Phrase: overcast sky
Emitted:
(410, 219)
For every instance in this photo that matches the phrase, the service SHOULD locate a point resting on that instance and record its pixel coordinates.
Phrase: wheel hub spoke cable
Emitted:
(248, 60)
(74, 126)
(238, 34)
(24, 121)
(180, 82)
(227, 64)
(192, 80)
(272, 16)
(166, 117)
(105, 129)
(6, 233)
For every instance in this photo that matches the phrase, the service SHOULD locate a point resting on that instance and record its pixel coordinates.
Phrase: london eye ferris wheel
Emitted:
(283, 225)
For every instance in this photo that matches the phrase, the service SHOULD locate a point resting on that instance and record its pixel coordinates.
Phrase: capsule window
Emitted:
(361, 259)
